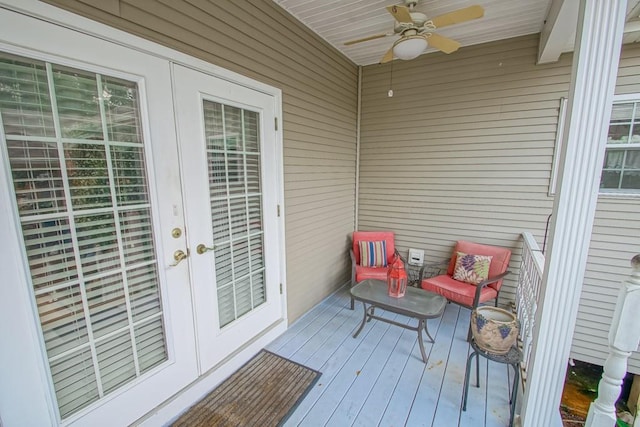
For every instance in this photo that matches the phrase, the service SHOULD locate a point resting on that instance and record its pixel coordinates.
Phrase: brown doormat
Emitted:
(263, 392)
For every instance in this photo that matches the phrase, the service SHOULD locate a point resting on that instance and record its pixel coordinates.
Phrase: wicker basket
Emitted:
(494, 330)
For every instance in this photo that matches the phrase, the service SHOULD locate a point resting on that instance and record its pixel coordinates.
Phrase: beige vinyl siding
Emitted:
(260, 40)
(464, 150)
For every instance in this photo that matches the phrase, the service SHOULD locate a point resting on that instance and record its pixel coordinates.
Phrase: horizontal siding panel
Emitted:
(497, 122)
(427, 159)
(406, 133)
(303, 149)
(317, 117)
(430, 198)
(514, 103)
(517, 193)
(490, 113)
(460, 210)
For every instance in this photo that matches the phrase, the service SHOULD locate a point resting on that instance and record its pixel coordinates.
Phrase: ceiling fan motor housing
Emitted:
(418, 19)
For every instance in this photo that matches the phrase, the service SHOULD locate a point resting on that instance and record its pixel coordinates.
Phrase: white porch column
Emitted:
(595, 65)
(624, 337)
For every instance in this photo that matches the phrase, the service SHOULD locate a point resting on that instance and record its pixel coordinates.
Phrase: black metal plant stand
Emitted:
(513, 358)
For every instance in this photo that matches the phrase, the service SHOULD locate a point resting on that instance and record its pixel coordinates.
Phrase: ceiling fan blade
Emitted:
(400, 13)
(442, 43)
(388, 57)
(457, 16)
(365, 39)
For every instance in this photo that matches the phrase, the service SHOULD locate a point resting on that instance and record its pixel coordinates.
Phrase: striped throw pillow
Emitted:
(373, 254)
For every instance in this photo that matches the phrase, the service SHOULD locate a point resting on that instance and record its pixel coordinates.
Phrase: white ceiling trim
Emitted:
(558, 29)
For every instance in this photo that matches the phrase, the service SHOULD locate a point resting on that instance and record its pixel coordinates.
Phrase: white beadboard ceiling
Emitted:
(338, 21)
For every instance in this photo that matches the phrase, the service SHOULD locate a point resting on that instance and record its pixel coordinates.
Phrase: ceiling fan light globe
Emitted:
(410, 48)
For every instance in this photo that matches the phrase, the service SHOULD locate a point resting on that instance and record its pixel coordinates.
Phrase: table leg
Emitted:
(364, 320)
(427, 331)
(421, 326)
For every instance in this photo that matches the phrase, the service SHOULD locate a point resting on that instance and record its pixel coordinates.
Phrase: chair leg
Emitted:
(514, 393)
(352, 303)
(465, 392)
(477, 370)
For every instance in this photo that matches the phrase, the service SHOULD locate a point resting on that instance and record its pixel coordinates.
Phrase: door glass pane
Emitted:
(232, 138)
(75, 148)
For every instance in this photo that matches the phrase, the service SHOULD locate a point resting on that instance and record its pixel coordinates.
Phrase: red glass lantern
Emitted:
(396, 278)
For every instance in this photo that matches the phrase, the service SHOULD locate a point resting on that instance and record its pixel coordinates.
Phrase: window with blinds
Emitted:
(76, 155)
(233, 154)
(621, 169)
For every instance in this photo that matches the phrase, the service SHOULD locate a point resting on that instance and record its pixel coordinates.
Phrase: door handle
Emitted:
(201, 248)
(178, 256)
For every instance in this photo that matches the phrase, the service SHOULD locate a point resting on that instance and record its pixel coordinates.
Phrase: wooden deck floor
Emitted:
(380, 379)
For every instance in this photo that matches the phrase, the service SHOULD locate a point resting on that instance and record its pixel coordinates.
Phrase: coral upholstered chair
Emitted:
(469, 289)
(376, 259)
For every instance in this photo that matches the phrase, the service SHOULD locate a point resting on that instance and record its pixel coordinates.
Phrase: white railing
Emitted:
(527, 294)
(624, 337)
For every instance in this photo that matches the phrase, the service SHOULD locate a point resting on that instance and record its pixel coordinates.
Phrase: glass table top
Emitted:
(416, 302)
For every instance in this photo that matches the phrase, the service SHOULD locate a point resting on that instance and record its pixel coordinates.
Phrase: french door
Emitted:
(228, 159)
(85, 149)
(143, 197)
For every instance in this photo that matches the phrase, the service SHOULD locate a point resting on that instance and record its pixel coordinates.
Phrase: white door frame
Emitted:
(19, 402)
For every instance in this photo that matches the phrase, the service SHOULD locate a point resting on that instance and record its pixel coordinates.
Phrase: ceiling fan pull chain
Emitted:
(390, 93)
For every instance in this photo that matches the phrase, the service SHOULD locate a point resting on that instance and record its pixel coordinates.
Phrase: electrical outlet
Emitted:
(416, 256)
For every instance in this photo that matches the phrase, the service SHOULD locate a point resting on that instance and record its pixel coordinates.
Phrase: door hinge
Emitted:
(276, 120)
(280, 288)
(278, 211)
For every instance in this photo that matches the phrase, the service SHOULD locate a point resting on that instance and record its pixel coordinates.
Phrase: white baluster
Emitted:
(624, 337)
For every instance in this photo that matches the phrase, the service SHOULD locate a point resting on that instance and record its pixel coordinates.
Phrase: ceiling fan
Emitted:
(417, 31)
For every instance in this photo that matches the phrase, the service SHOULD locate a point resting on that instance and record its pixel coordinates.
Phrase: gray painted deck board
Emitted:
(379, 378)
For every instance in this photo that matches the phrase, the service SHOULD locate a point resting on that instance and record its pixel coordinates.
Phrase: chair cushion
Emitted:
(499, 262)
(373, 254)
(377, 273)
(470, 268)
(458, 292)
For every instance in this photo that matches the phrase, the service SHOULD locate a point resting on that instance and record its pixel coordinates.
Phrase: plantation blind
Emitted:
(233, 156)
(74, 144)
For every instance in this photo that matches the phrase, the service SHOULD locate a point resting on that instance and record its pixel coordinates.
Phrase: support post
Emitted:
(595, 65)
(624, 337)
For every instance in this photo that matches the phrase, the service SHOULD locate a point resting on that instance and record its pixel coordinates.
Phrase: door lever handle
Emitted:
(178, 256)
(201, 248)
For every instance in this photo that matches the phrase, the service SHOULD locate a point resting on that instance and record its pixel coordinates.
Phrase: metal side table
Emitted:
(513, 358)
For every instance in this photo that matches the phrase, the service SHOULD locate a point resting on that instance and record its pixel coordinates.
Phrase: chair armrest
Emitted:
(493, 279)
(353, 267)
(433, 269)
(484, 283)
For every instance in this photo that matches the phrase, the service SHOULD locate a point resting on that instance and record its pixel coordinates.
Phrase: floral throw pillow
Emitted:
(471, 269)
